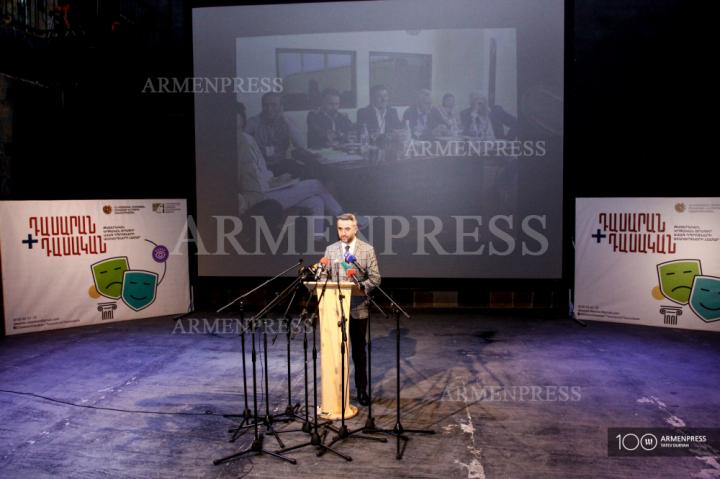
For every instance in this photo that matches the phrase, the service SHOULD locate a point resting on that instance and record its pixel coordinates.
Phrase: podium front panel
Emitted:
(330, 348)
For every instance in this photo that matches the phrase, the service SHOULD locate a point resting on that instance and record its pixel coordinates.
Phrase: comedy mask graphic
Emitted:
(108, 276)
(676, 278)
(139, 289)
(705, 298)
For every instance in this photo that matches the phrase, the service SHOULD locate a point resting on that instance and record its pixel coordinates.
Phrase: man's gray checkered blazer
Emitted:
(366, 258)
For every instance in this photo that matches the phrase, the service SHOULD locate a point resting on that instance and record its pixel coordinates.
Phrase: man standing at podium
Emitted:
(364, 253)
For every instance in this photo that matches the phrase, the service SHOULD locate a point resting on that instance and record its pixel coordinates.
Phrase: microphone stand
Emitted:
(306, 427)
(246, 414)
(343, 345)
(291, 410)
(256, 446)
(343, 433)
(305, 321)
(398, 431)
(298, 264)
(269, 419)
(313, 429)
(370, 421)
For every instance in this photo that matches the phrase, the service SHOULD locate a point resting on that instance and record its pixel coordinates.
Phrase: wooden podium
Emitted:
(330, 341)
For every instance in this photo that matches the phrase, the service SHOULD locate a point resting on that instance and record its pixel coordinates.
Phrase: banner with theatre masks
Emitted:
(74, 263)
(650, 261)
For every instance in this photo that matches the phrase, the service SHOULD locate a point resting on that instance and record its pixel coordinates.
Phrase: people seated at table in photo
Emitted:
(326, 126)
(476, 118)
(274, 134)
(379, 117)
(257, 183)
(418, 116)
(443, 119)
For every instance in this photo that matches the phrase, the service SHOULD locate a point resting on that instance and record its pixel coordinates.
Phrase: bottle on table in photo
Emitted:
(402, 141)
(352, 137)
(364, 139)
(475, 127)
(454, 130)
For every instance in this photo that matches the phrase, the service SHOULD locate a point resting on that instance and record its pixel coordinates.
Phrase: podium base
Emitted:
(350, 412)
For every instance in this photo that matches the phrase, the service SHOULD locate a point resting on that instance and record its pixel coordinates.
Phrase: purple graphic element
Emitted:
(160, 253)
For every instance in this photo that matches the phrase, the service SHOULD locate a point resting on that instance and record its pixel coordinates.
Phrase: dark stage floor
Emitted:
(509, 397)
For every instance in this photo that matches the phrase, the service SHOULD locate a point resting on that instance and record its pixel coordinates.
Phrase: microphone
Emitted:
(323, 266)
(320, 267)
(324, 262)
(351, 274)
(350, 258)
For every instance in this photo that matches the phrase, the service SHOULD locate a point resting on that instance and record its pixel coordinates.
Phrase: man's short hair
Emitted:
(330, 92)
(375, 89)
(478, 95)
(268, 95)
(346, 217)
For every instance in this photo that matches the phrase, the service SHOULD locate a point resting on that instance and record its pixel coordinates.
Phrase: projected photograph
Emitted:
(424, 134)
(371, 130)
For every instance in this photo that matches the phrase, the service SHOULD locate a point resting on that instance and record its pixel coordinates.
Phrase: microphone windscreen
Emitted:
(325, 261)
(351, 273)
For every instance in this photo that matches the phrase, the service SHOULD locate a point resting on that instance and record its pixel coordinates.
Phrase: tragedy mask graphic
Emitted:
(108, 276)
(676, 278)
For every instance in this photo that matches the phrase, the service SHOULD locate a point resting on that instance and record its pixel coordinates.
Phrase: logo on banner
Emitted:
(166, 208)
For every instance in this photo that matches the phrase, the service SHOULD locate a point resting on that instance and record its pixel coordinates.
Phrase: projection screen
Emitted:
(438, 123)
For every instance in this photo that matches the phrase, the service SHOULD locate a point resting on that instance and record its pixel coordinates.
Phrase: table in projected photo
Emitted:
(420, 185)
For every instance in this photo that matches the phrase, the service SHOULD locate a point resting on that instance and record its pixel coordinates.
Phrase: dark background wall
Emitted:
(637, 91)
(74, 122)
